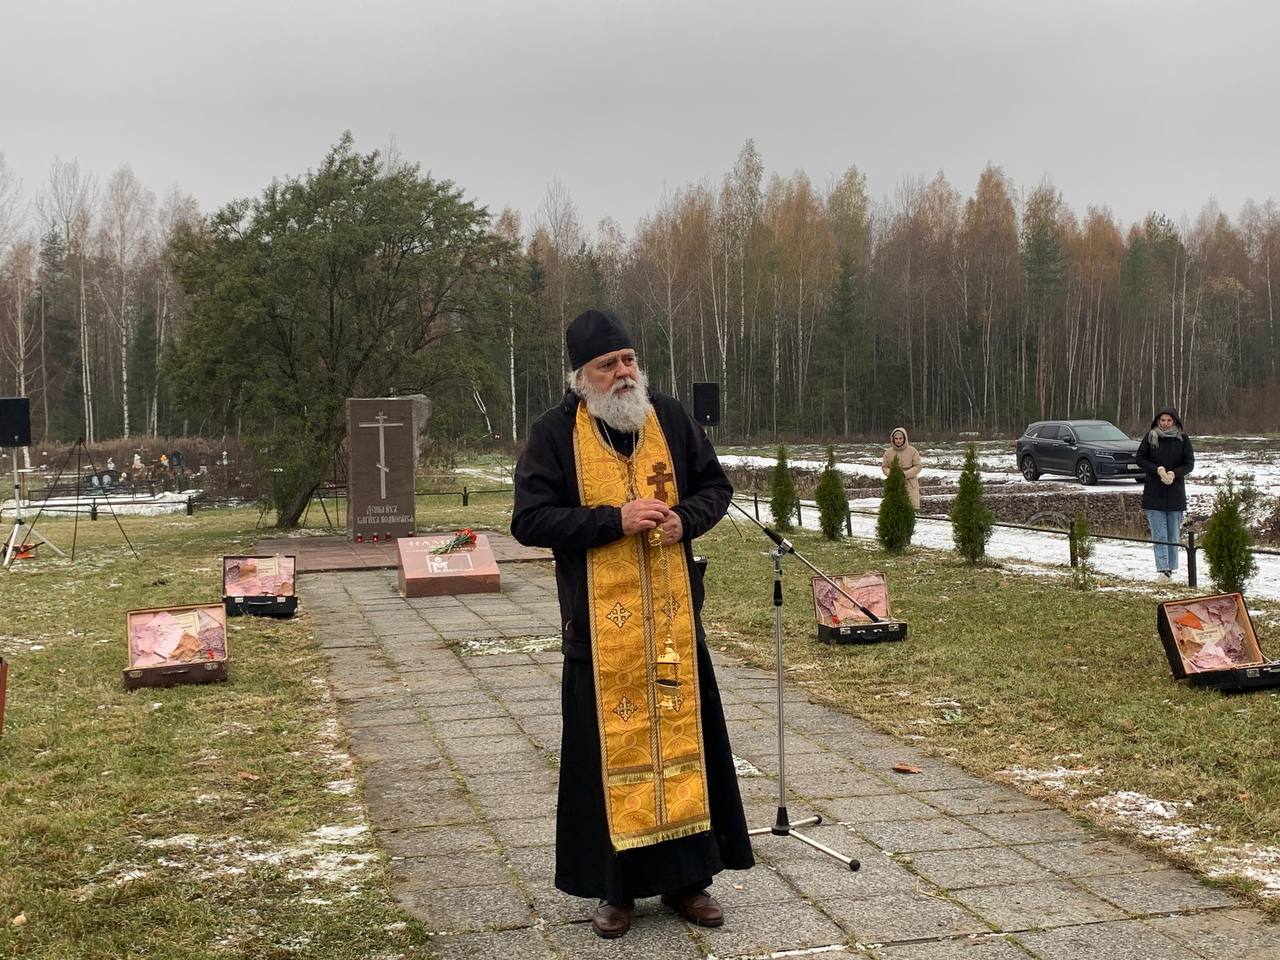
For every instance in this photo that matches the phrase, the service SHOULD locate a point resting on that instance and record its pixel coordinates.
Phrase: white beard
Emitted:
(626, 412)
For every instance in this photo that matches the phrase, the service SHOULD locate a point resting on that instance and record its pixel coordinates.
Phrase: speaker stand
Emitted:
(17, 543)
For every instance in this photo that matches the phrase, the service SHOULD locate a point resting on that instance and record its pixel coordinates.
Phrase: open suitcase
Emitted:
(172, 645)
(263, 586)
(839, 621)
(1210, 642)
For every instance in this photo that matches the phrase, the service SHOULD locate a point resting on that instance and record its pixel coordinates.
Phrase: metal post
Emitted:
(1072, 547)
(93, 510)
(756, 497)
(191, 507)
(848, 522)
(799, 518)
(1191, 558)
(466, 497)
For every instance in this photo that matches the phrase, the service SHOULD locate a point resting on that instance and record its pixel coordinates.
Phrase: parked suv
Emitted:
(1088, 450)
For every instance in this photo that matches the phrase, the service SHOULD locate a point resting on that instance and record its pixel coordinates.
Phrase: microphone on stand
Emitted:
(786, 546)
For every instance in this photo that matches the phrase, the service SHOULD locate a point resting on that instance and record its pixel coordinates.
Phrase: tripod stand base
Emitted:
(784, 827)
(22, 539)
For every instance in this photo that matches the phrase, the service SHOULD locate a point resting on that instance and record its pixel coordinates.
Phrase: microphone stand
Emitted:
(784, 826)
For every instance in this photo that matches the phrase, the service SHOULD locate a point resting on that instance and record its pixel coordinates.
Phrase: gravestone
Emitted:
(381, 441)
(469, 569)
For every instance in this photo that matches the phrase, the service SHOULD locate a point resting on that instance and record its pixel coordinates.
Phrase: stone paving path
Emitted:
(458, 736)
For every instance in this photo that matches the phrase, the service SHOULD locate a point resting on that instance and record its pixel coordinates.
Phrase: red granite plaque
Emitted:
(380, 438)
(469, 569)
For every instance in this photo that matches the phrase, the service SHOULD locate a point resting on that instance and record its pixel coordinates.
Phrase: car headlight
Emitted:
(1102, 454)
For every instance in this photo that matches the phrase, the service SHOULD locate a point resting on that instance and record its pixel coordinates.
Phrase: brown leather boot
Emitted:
(696, 906)
(611, 921)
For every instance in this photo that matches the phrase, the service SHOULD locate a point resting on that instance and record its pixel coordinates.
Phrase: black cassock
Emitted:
(548, 513)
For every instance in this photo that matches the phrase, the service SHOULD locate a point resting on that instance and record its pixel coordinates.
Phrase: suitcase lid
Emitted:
(869, 589)
(259, 576)
(175, 636)
(1204, 634)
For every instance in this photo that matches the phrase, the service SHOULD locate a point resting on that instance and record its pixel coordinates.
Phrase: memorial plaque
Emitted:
(469, 569)
(381, 441)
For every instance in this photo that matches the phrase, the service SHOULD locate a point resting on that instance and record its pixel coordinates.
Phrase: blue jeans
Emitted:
(1165, 525)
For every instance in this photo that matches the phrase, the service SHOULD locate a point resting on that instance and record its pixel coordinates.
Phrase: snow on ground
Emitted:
(1166, 823)
(1215, 458)
(145, 505)
(1046, 553)
(1031, 552)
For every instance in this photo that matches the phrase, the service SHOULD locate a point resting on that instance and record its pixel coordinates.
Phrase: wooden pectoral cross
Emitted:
(659, 480)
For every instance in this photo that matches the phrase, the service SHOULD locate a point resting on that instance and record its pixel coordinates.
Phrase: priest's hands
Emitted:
(647, 513)
(672, 528)
(643, 514)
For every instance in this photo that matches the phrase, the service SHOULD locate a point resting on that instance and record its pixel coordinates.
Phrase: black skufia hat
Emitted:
(594, 333)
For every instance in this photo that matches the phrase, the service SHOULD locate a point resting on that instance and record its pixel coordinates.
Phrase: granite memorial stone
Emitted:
(381, 441)
(426, 573)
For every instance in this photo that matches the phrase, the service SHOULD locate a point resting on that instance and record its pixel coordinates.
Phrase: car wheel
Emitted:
(1085, 474)
(1029, 471)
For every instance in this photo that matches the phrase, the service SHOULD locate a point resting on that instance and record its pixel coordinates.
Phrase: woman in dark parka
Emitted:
(1166, 457)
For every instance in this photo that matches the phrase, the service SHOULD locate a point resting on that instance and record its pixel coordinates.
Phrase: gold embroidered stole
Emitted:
(651, 746)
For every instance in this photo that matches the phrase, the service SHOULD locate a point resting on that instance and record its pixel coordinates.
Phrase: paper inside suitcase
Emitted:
(171, 645)
(261, 585)
(1210, 641)
(839, 621)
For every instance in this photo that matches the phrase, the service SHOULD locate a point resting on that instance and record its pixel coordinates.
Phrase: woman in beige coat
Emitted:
(908, 458)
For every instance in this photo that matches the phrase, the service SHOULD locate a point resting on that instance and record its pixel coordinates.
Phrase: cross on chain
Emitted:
(659, 479)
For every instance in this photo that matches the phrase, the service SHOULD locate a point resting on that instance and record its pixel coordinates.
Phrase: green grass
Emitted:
(91, 776)
(173, 823)
(1045, 676)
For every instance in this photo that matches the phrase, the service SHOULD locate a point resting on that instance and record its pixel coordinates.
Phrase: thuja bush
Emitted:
(1227, 540)
(833, 505)
(1082, 574)
(897, 520)
(971, 521)
(785, 501)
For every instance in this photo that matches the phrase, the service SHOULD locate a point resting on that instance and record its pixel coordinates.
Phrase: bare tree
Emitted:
(66, 205)
(124, 236)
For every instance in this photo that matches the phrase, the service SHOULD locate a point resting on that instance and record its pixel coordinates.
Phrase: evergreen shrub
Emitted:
(833, 505)
(897, 520)
(785, 501)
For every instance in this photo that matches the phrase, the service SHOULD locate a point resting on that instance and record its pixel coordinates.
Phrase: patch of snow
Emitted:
(485, 646)
(338, 835)
(1056, 778)
(1161, 821)
(746, 768)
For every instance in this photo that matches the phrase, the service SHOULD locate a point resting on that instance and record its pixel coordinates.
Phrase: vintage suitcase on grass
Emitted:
(172, 645)
(259, 585)
(839, 621)
(1210, 642)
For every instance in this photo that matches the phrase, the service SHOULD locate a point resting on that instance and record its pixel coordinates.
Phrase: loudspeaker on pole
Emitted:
(706, 403)
(15, 422)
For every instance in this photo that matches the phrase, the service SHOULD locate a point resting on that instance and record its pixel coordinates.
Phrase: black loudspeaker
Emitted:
(15, 422)
(706, 403)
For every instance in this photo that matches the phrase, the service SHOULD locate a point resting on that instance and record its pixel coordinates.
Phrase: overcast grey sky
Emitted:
(1136, 105)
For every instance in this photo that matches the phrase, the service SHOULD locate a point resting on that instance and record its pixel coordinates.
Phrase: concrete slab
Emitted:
(458, 744)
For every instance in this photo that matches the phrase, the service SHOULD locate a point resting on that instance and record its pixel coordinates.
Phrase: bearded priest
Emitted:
(618, 480)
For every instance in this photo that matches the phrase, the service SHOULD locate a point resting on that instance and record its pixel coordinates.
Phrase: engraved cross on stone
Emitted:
(659, 479)
(382, 423)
